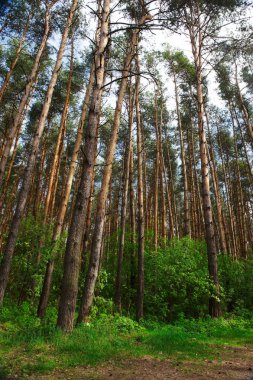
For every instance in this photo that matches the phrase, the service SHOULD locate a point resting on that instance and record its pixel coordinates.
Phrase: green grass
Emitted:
(27, 345)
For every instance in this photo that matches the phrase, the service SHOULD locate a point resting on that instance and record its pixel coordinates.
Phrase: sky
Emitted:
(155, 41)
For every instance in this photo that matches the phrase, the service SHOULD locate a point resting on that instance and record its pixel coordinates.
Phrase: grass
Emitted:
(27, 345)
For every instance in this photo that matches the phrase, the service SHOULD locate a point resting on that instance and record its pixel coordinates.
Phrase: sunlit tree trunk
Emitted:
(232, 235)
(16, 57)
(244, 109)
(22, 197)
(220, 215)
(92, 274)
(62, 127)
(65, 199)
(241, 207)
(187, 224)
(118, 282)
(196, 43)
(72, 258)
(132, 200)
(27, 93)
(156, 184)
(141, 222)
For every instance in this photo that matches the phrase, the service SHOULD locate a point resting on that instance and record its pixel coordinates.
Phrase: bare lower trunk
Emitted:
(72, 258)
(118, 283)
(70, 176)
(92, 274)
(132, 215)
(22, 197)
(141, 226)
(65, 198)
(196, 42)
(220, 214)
(157, 165)
(187, 225)
(60, 134)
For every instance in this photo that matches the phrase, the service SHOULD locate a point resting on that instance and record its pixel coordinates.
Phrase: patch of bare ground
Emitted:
(234, 364)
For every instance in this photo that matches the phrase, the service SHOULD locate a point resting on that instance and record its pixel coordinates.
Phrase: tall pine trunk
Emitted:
(17, 54)
(72, 258)
(96, 244)
(27, 93)
(118, 282)
(44, 296)
(24, 191)
(187, 224)
(196, 42)
(141, 221)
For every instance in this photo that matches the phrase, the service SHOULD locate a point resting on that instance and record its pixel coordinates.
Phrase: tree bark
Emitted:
(156, 184)
(60, 134)
(72, 258)
(15, 60)
(220, 214)
(141, 222)
(27, 93)
(118, 282)
(187, 224)
(196, 42)
(92, 274)
(22, 197)
(244, 109)
(65, 199)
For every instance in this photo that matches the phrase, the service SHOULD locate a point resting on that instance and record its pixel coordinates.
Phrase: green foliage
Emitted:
(33, 249)
(101, 306)
(28, 345)
(236, 279)
(176, 280)
(180, 64)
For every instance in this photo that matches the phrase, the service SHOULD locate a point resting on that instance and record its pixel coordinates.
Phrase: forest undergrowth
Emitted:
(176, 323)
(29, 346)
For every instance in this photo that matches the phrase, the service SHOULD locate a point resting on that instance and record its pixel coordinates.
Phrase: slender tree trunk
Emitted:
(220, 215)
(73, 163)
(28, 89)
(141, 226)
(72, 257)
(229, 202)
(92, 274)
(163, 204)
(65, 198)
(52, 180)
(15, 60)
(118, 283)
(132, 206)
(60, 134)
(22, 197)
(187, 224)
(241, 207)
(171, 195)
(196, 41)
(88, 220)
(156, 184)
(249, 166)
(244, 109)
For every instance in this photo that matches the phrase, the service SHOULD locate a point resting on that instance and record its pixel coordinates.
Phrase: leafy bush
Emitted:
(33, 249)
(177, 281)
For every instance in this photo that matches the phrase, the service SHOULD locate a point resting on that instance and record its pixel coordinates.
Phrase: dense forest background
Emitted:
(126, 170)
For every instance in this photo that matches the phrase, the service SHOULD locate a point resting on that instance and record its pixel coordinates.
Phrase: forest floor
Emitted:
(236, 364)
(117, 348)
